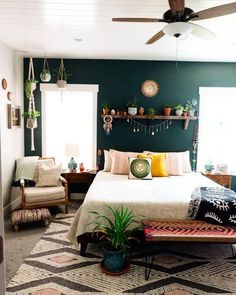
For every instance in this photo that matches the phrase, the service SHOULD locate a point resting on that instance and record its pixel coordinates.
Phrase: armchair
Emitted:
(50, 187)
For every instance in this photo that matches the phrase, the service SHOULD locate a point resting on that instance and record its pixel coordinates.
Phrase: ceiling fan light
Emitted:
(178, 29)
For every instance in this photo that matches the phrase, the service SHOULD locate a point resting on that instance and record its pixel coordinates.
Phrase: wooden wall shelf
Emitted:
(158, 117)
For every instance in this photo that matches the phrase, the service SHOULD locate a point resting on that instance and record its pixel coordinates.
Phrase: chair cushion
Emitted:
(44, 194)
(49, 163)
(49, 176)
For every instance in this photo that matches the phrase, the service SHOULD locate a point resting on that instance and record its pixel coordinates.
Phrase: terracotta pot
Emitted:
(141, 111)
(105, 111)
(185, 114)
(166, 111)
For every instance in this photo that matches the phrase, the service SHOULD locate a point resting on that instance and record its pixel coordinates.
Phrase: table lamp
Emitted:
(72, 150)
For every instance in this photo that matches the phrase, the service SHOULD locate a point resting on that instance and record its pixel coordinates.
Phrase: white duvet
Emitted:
(159, 198)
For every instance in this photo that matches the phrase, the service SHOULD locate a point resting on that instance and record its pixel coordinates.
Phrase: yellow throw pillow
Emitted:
(158, 163)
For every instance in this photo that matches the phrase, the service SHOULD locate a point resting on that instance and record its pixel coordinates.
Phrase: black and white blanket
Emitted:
(214, 205)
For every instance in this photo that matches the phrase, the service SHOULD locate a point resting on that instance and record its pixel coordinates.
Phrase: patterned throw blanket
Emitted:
(214, 205)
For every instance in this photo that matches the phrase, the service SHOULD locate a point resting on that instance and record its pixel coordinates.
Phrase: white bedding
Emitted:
(159, 198)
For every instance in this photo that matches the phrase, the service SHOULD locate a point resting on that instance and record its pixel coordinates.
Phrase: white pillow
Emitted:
(107, 161)
(186, 166)
(174, 164)
(49, 176)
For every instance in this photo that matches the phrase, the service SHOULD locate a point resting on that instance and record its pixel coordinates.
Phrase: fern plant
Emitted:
(116, 231)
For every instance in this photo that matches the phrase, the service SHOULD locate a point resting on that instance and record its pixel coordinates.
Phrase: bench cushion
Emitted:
(187, 230)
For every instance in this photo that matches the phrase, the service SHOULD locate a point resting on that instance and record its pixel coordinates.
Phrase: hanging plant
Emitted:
(45, 75)
(62, 76)
(32, 114)
(30, 85)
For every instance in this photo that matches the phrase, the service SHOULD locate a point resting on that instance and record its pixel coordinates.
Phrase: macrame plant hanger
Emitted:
(31, 121)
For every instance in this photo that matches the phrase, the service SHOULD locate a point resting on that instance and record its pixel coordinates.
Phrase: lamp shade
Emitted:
(72, 150)
(178, 29)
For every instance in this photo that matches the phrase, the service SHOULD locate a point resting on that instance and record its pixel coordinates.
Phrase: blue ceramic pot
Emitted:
(114, 261)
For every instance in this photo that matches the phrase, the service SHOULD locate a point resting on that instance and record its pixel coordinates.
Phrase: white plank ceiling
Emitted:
(83, 29)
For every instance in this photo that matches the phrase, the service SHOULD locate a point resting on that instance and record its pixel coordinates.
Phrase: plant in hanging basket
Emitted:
(62, 76)
(30, 85)
(31, 119)
(45, 75)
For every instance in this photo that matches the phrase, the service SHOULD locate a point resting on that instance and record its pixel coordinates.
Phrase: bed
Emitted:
(159, 198)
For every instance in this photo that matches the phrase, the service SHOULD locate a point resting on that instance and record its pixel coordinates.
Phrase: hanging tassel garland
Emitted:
(151, 130)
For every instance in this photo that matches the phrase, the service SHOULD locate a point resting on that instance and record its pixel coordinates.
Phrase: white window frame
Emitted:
(77, 88)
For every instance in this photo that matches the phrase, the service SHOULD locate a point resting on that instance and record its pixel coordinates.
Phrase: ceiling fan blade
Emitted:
(138, 19)
(214, 12)
(202, 32)
(177, 6)
(156, 37)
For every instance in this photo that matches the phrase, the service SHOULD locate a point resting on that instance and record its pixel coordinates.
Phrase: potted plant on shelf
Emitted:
(185, 112)
(179, 109)
(106, 107)
(191, 106)
(116, 232)
(151, 112)
(141, 111)
(132, 107)
(166, 110)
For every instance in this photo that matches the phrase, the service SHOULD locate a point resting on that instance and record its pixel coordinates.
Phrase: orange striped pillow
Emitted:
(120, 163)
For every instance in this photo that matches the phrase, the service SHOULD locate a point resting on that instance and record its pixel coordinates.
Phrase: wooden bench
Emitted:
(185, 231)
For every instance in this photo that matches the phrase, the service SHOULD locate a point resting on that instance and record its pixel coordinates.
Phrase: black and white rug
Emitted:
(55, 267)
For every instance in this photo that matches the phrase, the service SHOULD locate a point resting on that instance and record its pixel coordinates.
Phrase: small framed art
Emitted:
(14, 116)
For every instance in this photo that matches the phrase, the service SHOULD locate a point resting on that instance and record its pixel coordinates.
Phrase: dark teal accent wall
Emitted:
(120, 80)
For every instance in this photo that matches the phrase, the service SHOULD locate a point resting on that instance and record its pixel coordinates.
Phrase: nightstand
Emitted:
(78, 182)
(222, 179)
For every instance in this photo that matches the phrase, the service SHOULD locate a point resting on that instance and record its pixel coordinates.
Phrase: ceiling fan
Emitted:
(178, 19)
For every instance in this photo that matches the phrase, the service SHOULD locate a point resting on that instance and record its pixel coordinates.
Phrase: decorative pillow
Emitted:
(49, 176)
(119, 161)
(186, 166)
(25, 167)
(158, 163)
(174, 164)
(107, 161)
(47, 163)
(140, 168)
(185, 161)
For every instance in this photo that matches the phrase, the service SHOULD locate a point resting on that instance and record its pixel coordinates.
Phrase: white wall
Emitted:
(11, 140)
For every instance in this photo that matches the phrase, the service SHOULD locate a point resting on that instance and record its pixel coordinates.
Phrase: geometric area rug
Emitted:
(55, 267)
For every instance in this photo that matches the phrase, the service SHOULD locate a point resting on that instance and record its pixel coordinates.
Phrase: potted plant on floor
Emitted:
(117, 232)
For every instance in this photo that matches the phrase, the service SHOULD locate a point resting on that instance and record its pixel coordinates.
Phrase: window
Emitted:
(70, 117)
(217, 115)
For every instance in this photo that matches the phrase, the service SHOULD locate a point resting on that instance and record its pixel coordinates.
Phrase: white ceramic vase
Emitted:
(178, 112)
(132, 111)
(191, 113)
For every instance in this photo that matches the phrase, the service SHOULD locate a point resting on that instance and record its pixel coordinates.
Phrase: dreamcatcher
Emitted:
(107, 126)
